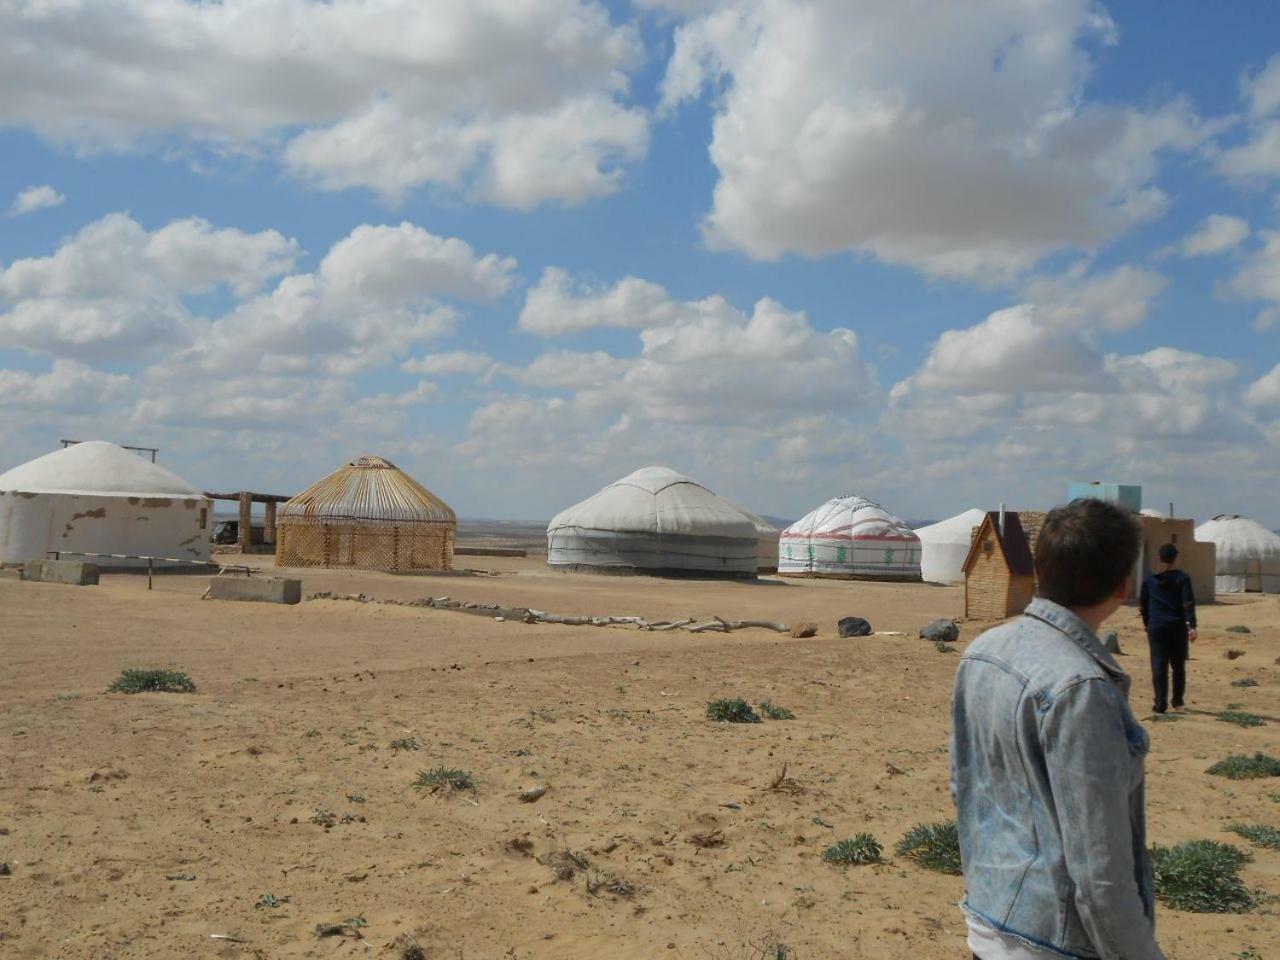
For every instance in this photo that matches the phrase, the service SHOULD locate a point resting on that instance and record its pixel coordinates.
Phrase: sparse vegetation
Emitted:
(943, 647)
(855, 851)
(312, 733)
(774, 712)
(610, 884)
(565, 864)
(1241, 767)
(152, 681)
(1242, 718)
(1244, 682)
(1238, 628)
(442, 778)
(1257, 833)
(1165, 717)
(1202, 876)
(270, 901)
(404, 743)
(934, 846)
(734, 710)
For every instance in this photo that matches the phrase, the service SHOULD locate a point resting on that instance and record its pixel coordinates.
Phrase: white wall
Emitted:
(33, 524)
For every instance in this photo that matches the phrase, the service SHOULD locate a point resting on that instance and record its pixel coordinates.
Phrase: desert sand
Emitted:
(106, 798)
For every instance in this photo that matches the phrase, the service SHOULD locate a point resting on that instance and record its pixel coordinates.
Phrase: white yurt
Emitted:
(1152, 512)
(1248, 554)
(852, 538)
(945, 544)
(767, 535)
(96, 497)
(655, 521)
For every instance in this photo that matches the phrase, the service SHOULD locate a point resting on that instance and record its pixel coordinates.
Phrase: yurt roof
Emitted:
(368, 488)
(860, 517)
(957, 529)
(1152, 512)
(1240, 533)
(763, 527)
(97, 468)
(658, 500)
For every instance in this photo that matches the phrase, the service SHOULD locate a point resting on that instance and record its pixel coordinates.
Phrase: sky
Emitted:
(937, 255)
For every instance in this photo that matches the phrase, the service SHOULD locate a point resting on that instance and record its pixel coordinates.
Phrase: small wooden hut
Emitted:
(367, 514)
(999, 574)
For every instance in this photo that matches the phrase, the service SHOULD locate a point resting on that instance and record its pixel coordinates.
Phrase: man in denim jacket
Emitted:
(1047, 762)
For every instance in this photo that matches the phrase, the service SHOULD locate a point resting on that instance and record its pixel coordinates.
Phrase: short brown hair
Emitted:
(1085, 551)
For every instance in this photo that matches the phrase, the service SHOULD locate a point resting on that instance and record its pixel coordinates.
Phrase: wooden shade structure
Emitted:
(999, 574)
(367, 514)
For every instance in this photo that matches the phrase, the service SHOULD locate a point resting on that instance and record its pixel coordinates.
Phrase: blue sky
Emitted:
(943, 258)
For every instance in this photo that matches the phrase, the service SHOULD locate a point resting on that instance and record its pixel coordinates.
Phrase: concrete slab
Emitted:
(10, 573)
(76, 573)
(256, 589)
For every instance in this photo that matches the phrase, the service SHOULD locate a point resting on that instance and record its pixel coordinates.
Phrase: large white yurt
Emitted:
(1248, 554)
(96, 497)
(945, 544)
(851, 538)
(655, 521)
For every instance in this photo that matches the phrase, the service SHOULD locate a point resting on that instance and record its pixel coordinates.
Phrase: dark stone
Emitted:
(1111, 642)
(854, 627)
(940, 631)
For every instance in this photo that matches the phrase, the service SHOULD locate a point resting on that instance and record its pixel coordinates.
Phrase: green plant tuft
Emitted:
(404, 743)
(1202, 876)
(443, 777)
(775, 712)
(152, 681)
(1238, 628)
(857, 850)
(934, 846)
(1256, 833)
(1241, 767)
(1242, 718)
(736, 710)
(1244, 682)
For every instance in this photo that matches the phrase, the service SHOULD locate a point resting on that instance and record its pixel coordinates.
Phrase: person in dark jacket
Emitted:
(1168, 607)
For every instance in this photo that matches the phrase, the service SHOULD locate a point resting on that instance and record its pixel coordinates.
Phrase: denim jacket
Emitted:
(1047, 775)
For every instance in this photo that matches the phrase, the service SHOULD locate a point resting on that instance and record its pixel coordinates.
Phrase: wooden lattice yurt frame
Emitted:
(370, 515)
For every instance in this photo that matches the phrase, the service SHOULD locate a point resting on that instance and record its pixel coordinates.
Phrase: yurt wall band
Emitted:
(96, 497)
(369, 515)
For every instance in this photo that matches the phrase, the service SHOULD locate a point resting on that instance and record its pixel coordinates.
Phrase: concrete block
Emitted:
(77, 573)
(10, 573)
(256, 589)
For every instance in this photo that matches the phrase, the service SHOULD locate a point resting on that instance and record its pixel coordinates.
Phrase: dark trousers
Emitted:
(1168, 654)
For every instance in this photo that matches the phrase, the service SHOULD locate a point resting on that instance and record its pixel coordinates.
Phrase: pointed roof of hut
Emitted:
(98, 469)
(371, 489)
(1013, 543)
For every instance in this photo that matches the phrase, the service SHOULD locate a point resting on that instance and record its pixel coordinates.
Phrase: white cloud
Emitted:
(449, 363)
(1259, 275)
(67, 386)
(116, 289)
(35, 198)
(1265, 391)
(1218, 233)
(1113, 301)
(1258, 156)
(959, 143)
(558, 304)
(524, 102)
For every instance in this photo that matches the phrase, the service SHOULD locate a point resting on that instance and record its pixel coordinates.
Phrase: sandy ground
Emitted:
(104, 797)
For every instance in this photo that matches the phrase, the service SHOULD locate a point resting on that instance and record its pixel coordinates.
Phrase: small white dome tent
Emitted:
(96, 497)
(944, 546)
(1248, 554)
(852, 538)
(767, 535)
(655, 521)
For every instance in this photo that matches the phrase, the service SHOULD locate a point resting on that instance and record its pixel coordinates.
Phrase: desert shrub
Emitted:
(1202, 876)
(1256, 833)
(404, 743)
(1238, 628)
(943, 647)
(735, 710)
(152, 681)
(860, 849)
(1240, 767)
(442, 778)
(934, 846)
(1242, 718)
(1244, 682)
(775, 712)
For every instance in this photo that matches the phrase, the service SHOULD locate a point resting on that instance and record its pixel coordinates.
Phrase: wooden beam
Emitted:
(246, 521)
(255, 497)
(269, 522)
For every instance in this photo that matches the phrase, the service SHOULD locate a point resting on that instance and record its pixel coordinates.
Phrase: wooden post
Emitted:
(245, 533)
(269, 523)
